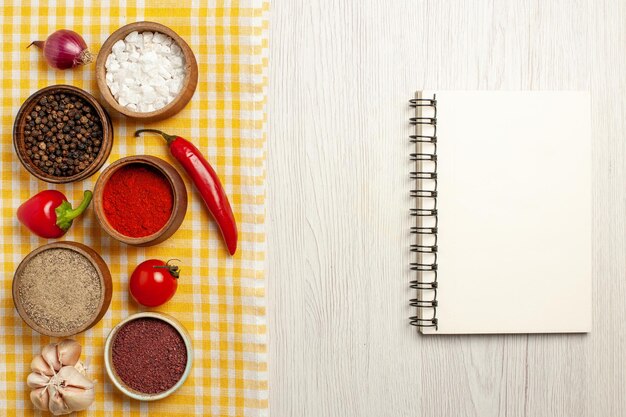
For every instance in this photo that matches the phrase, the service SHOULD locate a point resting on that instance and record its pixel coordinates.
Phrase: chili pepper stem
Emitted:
(65, 213)
(168, 138)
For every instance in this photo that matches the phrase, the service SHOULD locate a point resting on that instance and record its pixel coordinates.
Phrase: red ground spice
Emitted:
(138, 200)
(149, 355)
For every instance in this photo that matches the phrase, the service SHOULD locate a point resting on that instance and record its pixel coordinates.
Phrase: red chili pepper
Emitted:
(206, 181)
(48, 214)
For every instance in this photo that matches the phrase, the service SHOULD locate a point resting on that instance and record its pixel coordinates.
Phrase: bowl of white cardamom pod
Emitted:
(146, 71)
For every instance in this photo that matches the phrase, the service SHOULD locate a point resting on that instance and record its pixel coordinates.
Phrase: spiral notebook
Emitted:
(502, 214)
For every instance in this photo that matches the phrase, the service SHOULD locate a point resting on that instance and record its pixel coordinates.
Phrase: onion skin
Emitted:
(64, 49)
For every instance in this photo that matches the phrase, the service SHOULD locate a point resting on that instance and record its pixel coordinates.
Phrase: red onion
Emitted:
(64, 49)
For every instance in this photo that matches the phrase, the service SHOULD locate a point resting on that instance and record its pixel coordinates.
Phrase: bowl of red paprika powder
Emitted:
(148, 355)
(140, 200)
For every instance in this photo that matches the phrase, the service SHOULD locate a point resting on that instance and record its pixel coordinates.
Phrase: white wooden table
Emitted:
(341, 73)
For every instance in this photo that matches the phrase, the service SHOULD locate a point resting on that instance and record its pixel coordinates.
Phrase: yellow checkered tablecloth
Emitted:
(221, 300)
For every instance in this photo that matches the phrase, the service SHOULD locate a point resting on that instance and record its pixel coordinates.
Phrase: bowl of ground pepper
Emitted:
(148, 356)
(62, 134)
(62, 288)
(140, 200)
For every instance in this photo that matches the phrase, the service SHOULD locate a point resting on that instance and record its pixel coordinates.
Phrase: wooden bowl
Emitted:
(117, 381)
(178, 190)
(105, 284)
(20, 124)
(189, 84)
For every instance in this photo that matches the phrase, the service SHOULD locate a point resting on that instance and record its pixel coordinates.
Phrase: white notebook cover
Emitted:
(514, 204)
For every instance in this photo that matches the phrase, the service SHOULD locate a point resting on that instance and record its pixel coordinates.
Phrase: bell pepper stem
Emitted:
(168, 138)
(65, 213)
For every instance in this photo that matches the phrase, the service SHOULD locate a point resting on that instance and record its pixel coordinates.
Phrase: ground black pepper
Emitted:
(60, 290)
(63, 135)
(149, 355)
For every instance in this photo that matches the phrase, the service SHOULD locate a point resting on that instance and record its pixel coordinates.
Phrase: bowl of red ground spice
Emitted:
(140, 200)
(148, 356)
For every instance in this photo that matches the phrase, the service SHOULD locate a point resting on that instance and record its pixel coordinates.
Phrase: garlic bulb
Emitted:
(58, 380)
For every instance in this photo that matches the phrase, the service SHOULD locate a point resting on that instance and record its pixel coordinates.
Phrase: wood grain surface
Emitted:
(341, 73)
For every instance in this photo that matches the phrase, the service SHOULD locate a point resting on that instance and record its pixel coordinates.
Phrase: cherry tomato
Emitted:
(154, 282)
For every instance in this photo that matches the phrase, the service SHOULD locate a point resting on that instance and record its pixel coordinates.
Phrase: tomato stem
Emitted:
(174, 270)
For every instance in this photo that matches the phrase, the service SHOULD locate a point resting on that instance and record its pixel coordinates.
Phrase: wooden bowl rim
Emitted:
(108, 356)
(191, 71)
(103, 273)
(168, 172)
(107, 134)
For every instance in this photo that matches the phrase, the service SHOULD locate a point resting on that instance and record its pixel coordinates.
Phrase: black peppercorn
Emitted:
(62, 136)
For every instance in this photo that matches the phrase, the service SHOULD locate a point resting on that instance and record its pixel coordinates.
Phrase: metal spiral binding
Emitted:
(424, 250)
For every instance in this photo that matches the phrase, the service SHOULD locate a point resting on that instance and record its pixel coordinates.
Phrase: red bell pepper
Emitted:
(48, 214)
(206, 181)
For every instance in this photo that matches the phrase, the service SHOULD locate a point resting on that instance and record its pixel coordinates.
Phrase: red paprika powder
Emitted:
(138, 200)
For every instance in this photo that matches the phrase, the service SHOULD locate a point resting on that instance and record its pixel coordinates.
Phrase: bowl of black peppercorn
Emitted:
(62, 134)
